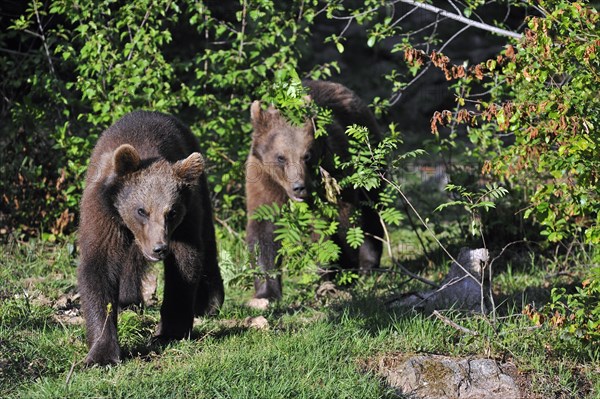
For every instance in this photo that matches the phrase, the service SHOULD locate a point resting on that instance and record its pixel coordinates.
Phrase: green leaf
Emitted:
(355, 237)
(448, 204)
(391, 216)
(371, 41)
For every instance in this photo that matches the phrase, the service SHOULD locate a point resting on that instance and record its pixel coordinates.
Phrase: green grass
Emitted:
(312, 348)
(249, 364)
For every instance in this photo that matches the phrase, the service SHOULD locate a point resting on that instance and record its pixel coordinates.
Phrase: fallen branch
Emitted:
(459, 290)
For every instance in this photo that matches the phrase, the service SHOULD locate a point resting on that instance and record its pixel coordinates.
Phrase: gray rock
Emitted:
(442, 377)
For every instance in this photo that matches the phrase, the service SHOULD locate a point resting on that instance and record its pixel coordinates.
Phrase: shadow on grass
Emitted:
(155, 346)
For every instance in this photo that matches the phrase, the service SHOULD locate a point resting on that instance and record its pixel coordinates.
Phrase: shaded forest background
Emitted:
(82, 65)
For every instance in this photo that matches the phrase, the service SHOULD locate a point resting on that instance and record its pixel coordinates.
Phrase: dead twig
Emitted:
(452, 324)
(415, 276)
(228, 227)
(71, 370)
(464, 20)
(42, 36)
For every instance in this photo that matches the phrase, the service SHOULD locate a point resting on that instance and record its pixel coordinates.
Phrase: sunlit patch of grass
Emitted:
(311, 348)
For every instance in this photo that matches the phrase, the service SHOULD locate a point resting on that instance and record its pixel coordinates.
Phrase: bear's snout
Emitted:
(299, 190)
(160, 250)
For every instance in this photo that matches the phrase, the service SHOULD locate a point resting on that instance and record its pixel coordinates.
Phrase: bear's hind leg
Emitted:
(210, 293)
(369, 254)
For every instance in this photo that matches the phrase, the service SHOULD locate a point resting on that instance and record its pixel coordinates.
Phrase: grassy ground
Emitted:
(311, 348)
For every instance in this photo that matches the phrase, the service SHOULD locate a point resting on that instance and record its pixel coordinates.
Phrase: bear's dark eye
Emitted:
(142, 212)
(280, 159)
(306, 156)
(172, 214)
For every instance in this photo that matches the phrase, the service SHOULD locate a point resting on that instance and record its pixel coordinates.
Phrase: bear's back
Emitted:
(347, 107)
(153, 134)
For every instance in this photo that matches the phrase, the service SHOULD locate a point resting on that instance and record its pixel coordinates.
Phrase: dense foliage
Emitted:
(80, 65)
(538, 128)
(538, 131)
(83, 64)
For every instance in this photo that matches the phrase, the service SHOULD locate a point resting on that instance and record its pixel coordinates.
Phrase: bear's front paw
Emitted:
(103, 354)
(171, 331)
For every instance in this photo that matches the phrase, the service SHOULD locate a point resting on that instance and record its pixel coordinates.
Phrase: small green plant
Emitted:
(134, 328)
(304, 234)
(474, 202)
(578, 314)
(235, 271)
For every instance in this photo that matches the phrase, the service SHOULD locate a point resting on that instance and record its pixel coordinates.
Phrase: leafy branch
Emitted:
(474, 202)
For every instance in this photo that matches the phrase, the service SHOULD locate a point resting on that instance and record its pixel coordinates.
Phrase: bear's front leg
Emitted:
(131, 278)
(98, 287)
(177, 310)
(263, 251)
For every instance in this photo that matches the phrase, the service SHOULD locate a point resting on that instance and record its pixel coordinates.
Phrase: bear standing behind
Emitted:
(146, 199)
(282, 159)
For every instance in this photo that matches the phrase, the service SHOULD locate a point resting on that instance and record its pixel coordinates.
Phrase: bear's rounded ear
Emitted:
(261, 119)
(190, 169)
(125, 160)
(256, 112)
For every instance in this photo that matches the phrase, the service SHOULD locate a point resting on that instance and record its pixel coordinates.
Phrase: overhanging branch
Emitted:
(462, 19)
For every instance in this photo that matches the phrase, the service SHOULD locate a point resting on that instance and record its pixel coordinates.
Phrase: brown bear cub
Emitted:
(146, 199)
(282, 160)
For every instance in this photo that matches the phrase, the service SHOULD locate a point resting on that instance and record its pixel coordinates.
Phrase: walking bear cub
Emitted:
(282, 160)
(146, 199)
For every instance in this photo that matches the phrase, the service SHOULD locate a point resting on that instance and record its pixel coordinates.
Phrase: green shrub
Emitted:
(578, 314)
(543, 95)
(538, 128)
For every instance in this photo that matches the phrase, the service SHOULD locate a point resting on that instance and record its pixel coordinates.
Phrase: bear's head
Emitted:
(152, 200)
(282, 149)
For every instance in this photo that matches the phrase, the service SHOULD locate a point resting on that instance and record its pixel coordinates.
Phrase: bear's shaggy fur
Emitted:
(146, 199)
(280, 164)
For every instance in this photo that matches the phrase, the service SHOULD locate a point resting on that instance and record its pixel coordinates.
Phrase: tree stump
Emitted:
(465, 287)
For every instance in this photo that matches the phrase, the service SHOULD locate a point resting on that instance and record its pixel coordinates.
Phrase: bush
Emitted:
(538, 129)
